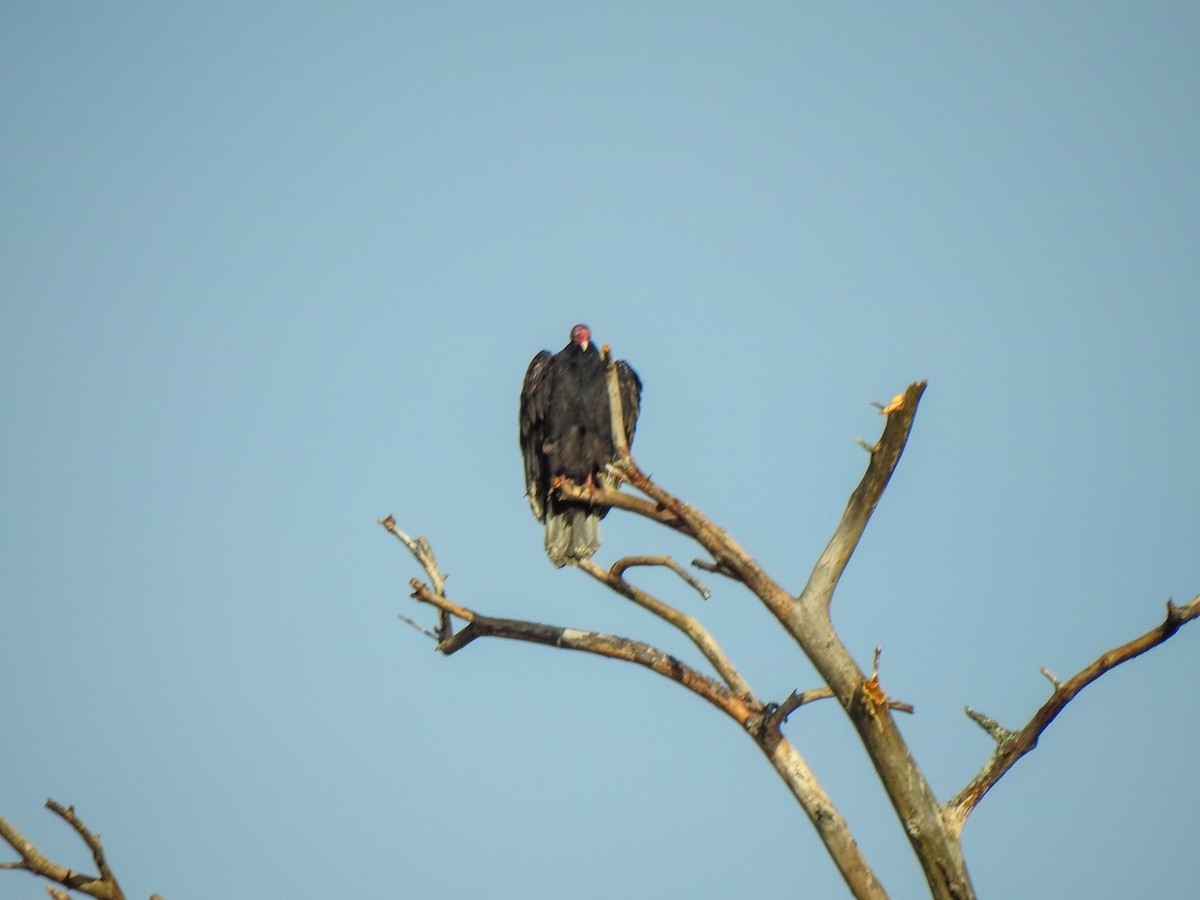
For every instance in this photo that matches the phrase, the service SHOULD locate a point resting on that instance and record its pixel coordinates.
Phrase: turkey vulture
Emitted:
(566, 432)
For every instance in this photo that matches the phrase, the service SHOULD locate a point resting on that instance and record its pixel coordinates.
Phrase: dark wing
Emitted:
(535, 403)
(631, 397)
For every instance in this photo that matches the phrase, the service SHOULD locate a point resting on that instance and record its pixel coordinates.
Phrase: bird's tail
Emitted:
(572, 534)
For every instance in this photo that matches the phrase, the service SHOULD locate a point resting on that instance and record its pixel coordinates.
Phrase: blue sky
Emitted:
(272, 271)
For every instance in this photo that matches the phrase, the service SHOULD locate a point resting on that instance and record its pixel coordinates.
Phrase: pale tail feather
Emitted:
(572, 535)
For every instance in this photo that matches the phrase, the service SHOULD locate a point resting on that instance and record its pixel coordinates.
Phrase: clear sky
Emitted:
(272, 271)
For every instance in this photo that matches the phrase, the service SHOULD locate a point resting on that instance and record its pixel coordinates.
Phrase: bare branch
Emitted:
(425, 594)
(998, 732)
(797, 699)
(416, 626)
(1021, 742)
(67, 813)
(828, 821)
(871, 688)
(806, 619)
(884, 456)
(606, 496)
(618, 568)
(727, 554)
(420, 549)
(717, 568)
(730, 558)
(684, 517)
(875, 696)
(103, 886)
(685, 623)
(1051, 677)
(737, 707)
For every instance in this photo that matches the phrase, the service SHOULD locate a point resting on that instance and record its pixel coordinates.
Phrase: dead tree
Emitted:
(933, 827)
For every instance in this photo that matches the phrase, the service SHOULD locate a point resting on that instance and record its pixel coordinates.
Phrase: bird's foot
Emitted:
(591, 486)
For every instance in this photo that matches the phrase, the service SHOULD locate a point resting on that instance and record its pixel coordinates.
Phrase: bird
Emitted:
(566, 433)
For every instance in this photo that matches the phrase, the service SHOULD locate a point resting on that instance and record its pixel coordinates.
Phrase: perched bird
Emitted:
(566, 433)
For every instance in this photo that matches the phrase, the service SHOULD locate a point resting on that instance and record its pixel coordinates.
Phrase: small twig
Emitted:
(998, 732)
(416, 626)
(897, 403)
(1051, 677)
(420, 549)
(717, 568)
(797, 699)
(874, 694)
(425, 594)
(1021, 742)
(618, 568)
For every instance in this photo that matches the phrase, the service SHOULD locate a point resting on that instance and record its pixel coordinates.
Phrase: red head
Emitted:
(582, 336)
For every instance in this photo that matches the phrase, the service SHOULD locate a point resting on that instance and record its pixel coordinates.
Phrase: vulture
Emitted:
(566, 432)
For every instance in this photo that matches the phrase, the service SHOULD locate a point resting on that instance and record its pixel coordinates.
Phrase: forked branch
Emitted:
(689, 625)
(600, 644)
(797, 699)
(420, 549)
(102, 886)
(591, 642)
(740, 705)
(806, 618)
(1011, 745)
